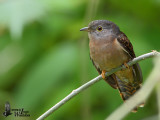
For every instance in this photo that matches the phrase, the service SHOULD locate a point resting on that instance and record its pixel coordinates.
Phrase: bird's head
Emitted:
(101, 28)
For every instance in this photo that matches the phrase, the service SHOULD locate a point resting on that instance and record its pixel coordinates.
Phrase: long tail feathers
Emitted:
(127, 90)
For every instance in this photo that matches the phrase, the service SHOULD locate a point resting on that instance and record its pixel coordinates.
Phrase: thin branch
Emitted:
(158, 99)
(140, 96)
(93, 81)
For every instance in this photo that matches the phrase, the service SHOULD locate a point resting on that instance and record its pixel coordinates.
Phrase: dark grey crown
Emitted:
(105, 24)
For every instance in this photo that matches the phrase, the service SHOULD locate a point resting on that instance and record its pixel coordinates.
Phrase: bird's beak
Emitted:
(85, 29)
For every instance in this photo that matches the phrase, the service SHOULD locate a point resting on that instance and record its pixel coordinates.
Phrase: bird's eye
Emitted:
(99, 29)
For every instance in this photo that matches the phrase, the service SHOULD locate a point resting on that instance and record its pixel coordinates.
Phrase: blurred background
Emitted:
(44, 56)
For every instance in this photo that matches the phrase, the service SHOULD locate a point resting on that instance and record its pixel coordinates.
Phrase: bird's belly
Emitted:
(107, 56)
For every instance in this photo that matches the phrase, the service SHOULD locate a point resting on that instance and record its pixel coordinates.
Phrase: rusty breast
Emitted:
(107, 53)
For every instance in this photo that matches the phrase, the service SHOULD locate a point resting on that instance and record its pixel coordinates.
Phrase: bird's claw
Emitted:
(103, 74)
(126, 65)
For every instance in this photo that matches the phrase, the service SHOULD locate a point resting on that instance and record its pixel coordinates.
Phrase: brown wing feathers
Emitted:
(126, 44)
(128, 89)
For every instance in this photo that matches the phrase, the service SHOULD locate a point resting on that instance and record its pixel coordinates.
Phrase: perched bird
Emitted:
(7, 109)
(110, 48)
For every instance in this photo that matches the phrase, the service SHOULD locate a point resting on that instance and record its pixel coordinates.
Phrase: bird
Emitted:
(110, 48)
(7, 109)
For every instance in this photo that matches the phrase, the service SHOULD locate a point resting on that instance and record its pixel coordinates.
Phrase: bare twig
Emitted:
(158, 98)
(140, 96)
(93, 81)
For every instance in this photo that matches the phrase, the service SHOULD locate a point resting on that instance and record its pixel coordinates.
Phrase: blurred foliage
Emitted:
(41, 55)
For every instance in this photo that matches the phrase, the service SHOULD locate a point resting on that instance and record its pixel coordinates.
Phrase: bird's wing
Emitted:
(111, 80)
(128, 48)
(128, 88)
(126, 45)
(7, 107)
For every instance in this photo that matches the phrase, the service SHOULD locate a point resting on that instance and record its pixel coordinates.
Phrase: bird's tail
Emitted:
(127, 90)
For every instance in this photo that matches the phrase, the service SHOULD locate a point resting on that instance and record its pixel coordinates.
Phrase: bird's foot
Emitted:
(103, 74)
(126, 65)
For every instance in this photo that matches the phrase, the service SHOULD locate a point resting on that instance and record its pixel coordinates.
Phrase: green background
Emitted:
(44, 56)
